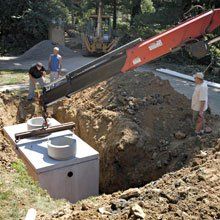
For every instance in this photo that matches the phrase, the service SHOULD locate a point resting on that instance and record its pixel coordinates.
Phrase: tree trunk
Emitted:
(114, 14)
(187, 4)
(135, 10)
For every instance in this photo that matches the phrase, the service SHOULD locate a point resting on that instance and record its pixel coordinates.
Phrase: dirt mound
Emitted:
(190, 193)
(7, 117)
(132, 120)
(13, 109)
(42, 50)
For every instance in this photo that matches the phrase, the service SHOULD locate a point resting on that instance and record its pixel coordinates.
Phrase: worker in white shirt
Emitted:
(199, 103)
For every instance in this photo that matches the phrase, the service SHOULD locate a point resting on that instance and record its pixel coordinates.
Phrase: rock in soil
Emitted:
(130, 193)
(137, 211)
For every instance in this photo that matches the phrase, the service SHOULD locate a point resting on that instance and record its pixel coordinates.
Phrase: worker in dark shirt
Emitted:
(36, 75)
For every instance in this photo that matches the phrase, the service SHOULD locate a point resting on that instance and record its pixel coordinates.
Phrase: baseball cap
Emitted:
(199, 75)
(56, 48)
(39, 64)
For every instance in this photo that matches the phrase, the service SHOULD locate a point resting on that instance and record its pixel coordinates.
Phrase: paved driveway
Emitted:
(69, 64)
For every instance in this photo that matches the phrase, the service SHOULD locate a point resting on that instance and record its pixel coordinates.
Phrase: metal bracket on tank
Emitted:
(42, 131)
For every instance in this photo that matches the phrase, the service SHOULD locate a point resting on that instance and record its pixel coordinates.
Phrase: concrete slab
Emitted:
(186, 77)
(14, 87)
(37, 154)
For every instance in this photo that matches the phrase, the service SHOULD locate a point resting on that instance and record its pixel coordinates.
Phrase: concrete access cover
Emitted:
(37, 122)
(62, 148)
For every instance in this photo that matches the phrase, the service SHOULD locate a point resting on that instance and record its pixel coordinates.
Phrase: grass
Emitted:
(12, 77)
(18, 193)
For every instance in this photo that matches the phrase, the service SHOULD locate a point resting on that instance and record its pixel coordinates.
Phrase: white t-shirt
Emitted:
(200, 94)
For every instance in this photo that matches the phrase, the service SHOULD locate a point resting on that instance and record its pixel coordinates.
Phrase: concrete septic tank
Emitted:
(73, 178)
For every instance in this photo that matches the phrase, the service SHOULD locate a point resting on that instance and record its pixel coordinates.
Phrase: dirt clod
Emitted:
(130, 193)
(180, 135)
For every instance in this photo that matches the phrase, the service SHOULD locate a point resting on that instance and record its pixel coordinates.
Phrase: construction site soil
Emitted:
(142, 129)
(138, 123)
(192, 193)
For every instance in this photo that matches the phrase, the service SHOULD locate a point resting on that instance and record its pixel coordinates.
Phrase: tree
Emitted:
(135, 10)
(25, 23)
(136, 7)
(114, 2)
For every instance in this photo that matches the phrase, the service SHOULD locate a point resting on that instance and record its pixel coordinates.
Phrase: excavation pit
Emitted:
(72, 175)
(131, 120)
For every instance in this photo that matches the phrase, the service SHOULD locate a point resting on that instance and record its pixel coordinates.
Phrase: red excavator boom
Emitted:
(171, 39)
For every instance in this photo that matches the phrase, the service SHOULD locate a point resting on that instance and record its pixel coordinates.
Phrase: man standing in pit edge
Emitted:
(199, 103)
(55, 64)
(36, 75)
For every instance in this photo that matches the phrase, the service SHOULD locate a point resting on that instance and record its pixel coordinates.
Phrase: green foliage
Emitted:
(147, 6)
(25, 23)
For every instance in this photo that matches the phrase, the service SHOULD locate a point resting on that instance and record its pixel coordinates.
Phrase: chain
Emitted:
(45, 116)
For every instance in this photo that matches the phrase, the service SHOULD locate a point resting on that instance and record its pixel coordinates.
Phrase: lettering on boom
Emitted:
(155, 45)
(136, 60)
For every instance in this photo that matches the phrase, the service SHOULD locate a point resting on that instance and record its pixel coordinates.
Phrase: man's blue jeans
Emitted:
(32, 86)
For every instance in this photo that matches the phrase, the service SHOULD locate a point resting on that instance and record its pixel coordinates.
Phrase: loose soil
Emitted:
(14, 108)
(192, 193)
(131, 120)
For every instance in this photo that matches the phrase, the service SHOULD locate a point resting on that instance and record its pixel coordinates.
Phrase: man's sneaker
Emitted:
(208, 130)
(200, 133)
(195, 133)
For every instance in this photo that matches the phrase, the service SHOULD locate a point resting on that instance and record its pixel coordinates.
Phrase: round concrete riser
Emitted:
(62, 148)
(37, 122)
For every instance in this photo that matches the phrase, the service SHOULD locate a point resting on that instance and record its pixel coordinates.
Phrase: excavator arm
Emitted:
(173, 39)
(188, 34)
